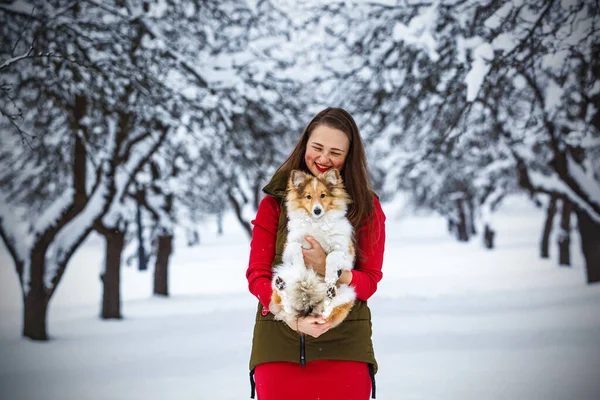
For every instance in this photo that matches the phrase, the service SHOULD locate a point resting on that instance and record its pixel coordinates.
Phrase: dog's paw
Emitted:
(331, 292)
(279, 283)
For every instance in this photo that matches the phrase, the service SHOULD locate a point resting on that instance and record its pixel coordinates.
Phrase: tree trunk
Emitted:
(111, 278)
(35, 301)
(564, 237)
(488, 237)
(472, 229)
(451, 226)
(550, 211)
(237, 208)
(142, 259)
(161, 270)
(220, 223)
(193, 237)
(462, 232)
(35, 311)
(590, 244)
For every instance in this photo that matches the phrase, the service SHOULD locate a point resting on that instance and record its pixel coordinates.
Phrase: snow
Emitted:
(487, 209)
(519, 82)
(595, 89)
(14, 228)
(13, 60)
(19, 6)
(158, 9)
(505, 42)
(582, 138)
(553, 183)
(554, 94)
(482, 54)
(587, 183)
(419, 31)
(73, 231)
(496, 19)
(554, 60)
(462, 45)
(451, 320)
(54, 212)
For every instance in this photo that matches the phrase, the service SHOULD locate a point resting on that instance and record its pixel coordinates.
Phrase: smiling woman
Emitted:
(326, 149)
(306, 358)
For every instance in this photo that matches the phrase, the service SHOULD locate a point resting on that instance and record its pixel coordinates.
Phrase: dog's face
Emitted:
(316, 195)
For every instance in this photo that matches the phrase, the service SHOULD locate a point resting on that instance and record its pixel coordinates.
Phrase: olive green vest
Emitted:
(274, 340)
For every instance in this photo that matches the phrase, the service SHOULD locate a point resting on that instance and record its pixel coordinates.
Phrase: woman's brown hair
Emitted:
(354, 172)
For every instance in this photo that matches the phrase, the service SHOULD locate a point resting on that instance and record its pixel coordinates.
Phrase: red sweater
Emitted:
(367, 270)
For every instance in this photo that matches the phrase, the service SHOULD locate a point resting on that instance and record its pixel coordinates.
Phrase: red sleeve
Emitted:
(262, 250)
(371, 243)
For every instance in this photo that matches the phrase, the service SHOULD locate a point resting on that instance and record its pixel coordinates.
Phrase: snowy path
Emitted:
(451, 321)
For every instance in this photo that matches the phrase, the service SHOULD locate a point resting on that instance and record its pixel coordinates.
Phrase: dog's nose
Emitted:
(317, 211)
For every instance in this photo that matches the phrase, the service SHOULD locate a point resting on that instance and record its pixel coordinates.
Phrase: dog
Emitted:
(316, 207)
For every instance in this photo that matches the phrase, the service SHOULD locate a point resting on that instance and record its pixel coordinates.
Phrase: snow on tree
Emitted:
(258, 122)
(546, 59)
(86, 133)
(520, 76)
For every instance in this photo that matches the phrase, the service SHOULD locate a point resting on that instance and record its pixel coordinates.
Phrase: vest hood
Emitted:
(277, 186)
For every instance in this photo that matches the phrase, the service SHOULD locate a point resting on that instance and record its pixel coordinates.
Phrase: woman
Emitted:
(305, 359)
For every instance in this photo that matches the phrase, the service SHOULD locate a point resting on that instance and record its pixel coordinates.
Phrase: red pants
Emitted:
(319, 380)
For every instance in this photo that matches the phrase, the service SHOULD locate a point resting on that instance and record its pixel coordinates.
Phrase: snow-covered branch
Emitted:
(74, 232)
(19, 7)
(490, 203)
(588, 185)
(137, 161)
(54, 212)
(112, 10)
(155, 205)
(13, 60)
(180, 58)
(554, 184)
(168, 47)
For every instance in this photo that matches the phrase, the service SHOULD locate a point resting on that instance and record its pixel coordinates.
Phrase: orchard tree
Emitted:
(549, 64)
(74, 151)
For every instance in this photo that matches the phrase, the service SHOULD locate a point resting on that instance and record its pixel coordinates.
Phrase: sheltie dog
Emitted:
(316, 207)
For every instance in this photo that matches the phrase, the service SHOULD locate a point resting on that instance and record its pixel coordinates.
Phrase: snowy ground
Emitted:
(451, 321)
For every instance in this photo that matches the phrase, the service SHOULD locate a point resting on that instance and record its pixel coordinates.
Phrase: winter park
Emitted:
(137, 137)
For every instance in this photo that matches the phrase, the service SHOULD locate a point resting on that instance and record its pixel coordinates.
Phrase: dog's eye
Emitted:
(309, 197)
(322, 195)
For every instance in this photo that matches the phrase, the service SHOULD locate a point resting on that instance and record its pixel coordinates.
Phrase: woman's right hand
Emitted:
(312, 326)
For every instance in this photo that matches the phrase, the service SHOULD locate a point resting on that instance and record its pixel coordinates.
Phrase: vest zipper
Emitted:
(302, 351)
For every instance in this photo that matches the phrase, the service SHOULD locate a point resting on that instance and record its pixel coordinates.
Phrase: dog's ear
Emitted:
(296, 178)
(333, 177)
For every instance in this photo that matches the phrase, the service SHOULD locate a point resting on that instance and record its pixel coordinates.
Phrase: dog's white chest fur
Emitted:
(332, 231)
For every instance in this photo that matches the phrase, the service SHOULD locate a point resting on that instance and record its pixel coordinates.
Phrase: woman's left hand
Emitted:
(315, 256)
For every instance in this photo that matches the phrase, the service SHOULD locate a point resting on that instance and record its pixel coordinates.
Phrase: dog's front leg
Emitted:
(335, 261)
(292, 254)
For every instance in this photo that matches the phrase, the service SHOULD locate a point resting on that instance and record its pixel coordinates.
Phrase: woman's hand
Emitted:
(313, 326)
(315, 256)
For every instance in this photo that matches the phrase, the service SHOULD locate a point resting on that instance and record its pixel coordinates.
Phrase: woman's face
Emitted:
(326, 148)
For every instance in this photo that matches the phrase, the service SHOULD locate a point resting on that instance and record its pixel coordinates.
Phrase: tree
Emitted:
(550, 63)
(82, 155)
